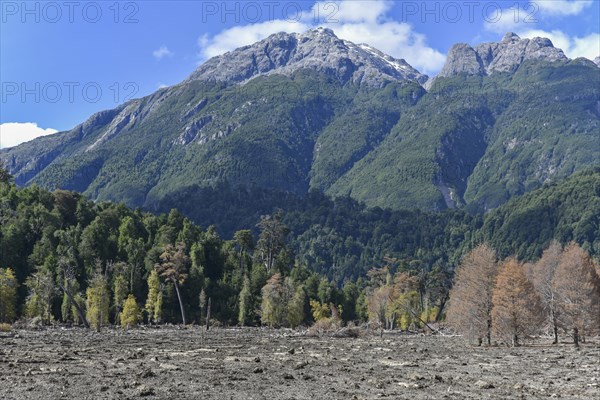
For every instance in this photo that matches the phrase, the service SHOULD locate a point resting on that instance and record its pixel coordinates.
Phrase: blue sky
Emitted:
(62, 61)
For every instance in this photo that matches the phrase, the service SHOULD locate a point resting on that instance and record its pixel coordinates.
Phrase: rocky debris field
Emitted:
(171, 363)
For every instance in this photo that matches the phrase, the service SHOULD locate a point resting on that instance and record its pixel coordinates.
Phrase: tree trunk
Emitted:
(208, 315)
(270, 261)
(77, 307)
(423, 322)
(440, 312)
(131, 277)
(180, 303)
(489, 331)
(576, 338)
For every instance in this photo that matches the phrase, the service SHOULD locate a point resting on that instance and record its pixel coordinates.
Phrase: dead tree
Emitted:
(69, 276)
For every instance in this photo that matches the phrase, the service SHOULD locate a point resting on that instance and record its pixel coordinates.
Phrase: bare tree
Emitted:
(541, 275)
(578, 290)
(517, 310)
(379, 304)
(69, 277)
(470, 304)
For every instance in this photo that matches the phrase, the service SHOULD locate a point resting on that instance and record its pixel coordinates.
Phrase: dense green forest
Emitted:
(60, 251)
(342, 238)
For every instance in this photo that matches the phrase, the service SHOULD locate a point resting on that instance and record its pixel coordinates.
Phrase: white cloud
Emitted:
(14, 133)
(510, 20)
(356, 21)
(398, 40)
(562, 7)
(517, 18)
(231, 39)
(162, 52)
(573, 47)
(350, 11)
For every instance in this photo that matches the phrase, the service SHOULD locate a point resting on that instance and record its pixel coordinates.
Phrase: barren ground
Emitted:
(247, 364)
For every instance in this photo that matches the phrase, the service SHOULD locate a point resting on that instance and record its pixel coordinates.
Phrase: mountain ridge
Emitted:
(318, 49)
(358, 124)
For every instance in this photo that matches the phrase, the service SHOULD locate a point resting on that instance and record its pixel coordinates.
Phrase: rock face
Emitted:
(597, 61)
(318, 49)
(505, 56)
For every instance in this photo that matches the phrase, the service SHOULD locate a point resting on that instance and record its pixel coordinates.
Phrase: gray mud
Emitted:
(248, 364)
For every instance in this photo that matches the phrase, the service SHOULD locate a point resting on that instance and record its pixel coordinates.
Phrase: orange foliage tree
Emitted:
(578, 290)
(470, 304)
(517, 311)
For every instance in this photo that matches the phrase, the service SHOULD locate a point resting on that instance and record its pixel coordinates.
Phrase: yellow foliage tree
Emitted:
(8, 295)
(131, 314)
(41, 293)
(154, 301)
(319, 311)
(97, 302)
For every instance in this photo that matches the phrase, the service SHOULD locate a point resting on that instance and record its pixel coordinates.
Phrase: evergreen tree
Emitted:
(273, 235)
(202, 303)
(5, 176)
(245, 302)
(295, 314)
(245, 242)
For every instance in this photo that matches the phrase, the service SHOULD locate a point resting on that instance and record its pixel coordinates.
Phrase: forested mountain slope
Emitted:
(297, 112)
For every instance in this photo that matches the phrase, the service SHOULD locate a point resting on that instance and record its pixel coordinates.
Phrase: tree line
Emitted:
(66, 259)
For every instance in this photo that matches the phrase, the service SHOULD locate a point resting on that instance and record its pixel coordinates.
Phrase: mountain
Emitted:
(505, 56)
(317, 50)
(296, 112)
(485, 134)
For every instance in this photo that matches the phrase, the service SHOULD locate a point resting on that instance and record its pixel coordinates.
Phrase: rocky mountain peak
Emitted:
(597, 61)
(504, 56)
(317, 49)
(510, 37)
